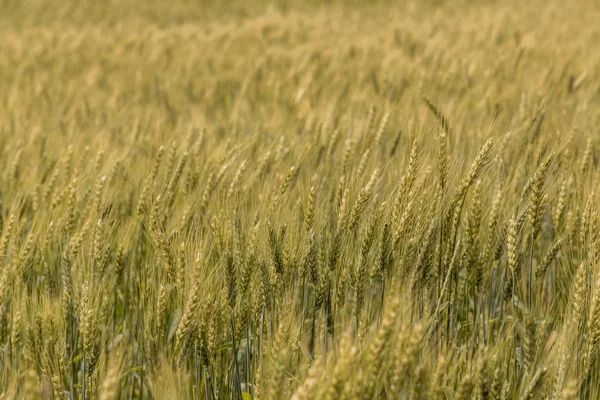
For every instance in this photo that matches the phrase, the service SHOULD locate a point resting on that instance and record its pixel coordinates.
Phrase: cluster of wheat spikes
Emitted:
(299, 200)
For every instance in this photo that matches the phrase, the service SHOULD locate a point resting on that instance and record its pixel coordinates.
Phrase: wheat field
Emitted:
(299, 200)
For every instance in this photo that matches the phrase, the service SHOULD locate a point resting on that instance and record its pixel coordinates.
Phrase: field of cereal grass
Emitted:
(305, 200)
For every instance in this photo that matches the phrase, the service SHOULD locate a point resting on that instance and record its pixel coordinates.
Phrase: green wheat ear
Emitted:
(443, 121)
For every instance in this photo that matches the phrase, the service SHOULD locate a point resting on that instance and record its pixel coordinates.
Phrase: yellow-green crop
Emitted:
(307, 200)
